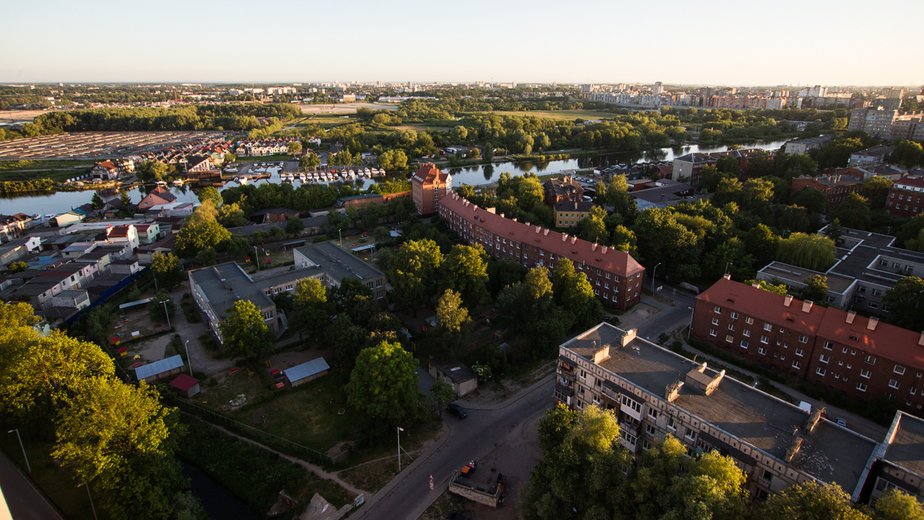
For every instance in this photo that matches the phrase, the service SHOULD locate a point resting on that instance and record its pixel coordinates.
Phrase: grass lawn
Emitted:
(558, 115)
(433, 126)
(56, 482)
(252, 473)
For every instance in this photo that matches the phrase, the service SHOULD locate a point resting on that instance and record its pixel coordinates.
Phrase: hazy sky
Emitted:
(741, 42)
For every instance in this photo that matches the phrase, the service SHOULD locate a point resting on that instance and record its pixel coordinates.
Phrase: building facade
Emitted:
(428, 186)
(562, 189)
(568, 214)
(856, 355)
(615, 276)
(906, 197)
(835, 185)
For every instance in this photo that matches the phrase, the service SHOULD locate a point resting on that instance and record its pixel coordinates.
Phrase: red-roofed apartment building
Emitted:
(906, 197)
(853, 354)
(428, 186)
(615, 276)
(156, 197)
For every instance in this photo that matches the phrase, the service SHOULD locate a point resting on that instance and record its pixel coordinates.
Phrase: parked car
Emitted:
(456, 410)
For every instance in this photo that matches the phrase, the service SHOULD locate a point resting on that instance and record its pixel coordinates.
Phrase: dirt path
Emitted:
(317, 470)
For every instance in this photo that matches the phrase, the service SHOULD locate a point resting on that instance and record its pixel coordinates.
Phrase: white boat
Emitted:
(242, 180)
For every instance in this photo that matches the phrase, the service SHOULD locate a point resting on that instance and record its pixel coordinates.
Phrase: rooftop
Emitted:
(581, 252)
(766, 305)
(829, 452)
(307, 369)
(338, 263)
(428, 173)
(226, 283)
(158, 367)
(583, 206)
(906, 449)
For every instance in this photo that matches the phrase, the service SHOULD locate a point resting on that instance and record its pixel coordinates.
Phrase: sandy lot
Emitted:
(343, 108)
(20, 115)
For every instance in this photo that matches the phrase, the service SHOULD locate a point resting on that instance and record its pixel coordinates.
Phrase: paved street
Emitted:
(25, 502)
(409, 495)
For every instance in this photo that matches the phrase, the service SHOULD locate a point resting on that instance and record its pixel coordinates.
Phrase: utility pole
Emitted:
(400, 429)
(188, 361)
(167, 314)
(653, 273)
(21, 445)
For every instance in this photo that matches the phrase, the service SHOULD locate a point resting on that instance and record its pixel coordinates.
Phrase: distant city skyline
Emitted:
(712, 42)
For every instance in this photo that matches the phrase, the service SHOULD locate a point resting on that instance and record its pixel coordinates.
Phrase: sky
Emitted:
(712, 42)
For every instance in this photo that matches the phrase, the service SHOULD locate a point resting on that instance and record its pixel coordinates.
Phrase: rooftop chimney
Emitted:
(604, 250)
(629, 336)
(755, 285)
(921, 340)
(807, 305)
(601, 354)
(672, 390)
(871, 325)
(813, 419)
(726, 276)
(787, 301)
(593, 247)
(794, 447)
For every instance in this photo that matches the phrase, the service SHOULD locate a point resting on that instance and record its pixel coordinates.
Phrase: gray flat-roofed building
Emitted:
(216, 288)
(655, 392)
(338, 264)
(802, 146)
(902, 463)
(305, 372)
(159, 369)
(866, 266)
(459, 376)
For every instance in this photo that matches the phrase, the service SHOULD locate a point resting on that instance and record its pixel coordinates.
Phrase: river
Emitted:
(59, 202)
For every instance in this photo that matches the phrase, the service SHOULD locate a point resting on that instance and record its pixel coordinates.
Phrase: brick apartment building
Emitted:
(836, 184)
(428, 186)
(906, 197)
(562, 189)
(615, 276)
(655, 392)
(856, 355)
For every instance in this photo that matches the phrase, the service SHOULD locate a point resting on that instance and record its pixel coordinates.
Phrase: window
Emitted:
(671, 425)
(731, 326)
(717, 310)
(631, 403)
(799, 352)
(690, 435)
(630, 438)
(764, 339)
(893, 384)
(865, 374)
(744, 344)
(803, 339)
(844, 350)
(823, 358)
(651, 430)
(734, 315)
(871, 359)
(861, 387)
(900, 370)
(653, 413)
(715, 321)
(749, 320)
(761, 351)
(796, 364)
(729, 338)
(768, 327)
(828, 345)
(821, 371)
(712, 332)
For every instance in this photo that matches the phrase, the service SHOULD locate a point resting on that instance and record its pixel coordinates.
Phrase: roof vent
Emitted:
(871, 325)
(593, 247)
(604, 250)
(672, 390)
(807, 305)
(726, 276)
(755, 285)
(850, 317)
(573, 239)
(564, 237)
(538, 229)
(921, 340)
(787, 301)
(545, 233)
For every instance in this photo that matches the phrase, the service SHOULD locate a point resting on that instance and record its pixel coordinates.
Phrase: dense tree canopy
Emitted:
(244, 331)
(383, 384)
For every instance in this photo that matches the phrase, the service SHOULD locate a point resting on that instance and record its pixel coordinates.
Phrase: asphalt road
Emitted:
(409, 495)
(25, 502)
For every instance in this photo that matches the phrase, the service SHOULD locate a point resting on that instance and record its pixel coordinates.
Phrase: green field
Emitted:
(48, 169)
(557, 115)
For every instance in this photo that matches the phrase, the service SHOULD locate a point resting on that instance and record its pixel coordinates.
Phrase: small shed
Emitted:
(309, 371)
(159, 369)
(461, 377)
(187, 386)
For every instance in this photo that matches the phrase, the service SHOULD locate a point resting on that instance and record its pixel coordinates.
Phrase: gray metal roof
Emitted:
(338, 263)
(224, 284)
(158, 367)
(307, 369)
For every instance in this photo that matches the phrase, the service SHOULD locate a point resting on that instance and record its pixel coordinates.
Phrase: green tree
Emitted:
(816, 289)
(294, 226)
(618, 196)
(853, 212)
(212, 194)
(876, 190)
(125, 200)
(451, 314)
(592, 228)
(811, 500)
(311, 307)
(814, 251)
(810, 199)
(906, 303)
(908, 153)
(294, 147)
(413, 271)
(201, 230)
(895, 504)
(168, 270)
(442, 394)
(244, 332)
(391, 160)
(383, 385)
(465, 270)
(17, 267)
(309, 161)
(662, 239)
(97, 201)
(574, 294)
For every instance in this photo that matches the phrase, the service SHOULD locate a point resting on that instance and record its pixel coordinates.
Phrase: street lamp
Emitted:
(653, 273)
(188, 361)
(167, 314)
(256, 257)
(340, 236)
(726, 266)
(400, 429)
(28, 467)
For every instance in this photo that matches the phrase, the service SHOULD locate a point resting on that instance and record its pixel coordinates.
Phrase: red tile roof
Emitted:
(118, 231)
(429, 173)
(559, 244)
(910, 180)
(184, 382)
(107, 164)
(884, 340)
